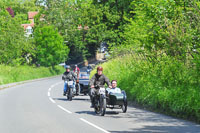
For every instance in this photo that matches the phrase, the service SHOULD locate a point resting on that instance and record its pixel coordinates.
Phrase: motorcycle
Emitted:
(70, 88)
(100, 101)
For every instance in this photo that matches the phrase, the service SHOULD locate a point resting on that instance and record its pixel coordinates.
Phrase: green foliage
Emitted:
(167, 85)
(158, 63)
(9, 74)
(84, 25)
(64, 16)
(50, 46)
(20, 8)
(14, 46)
(168, 26)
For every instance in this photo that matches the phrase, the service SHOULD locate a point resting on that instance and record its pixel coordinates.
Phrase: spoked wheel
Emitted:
(100, 106)
(69, 95)
(103, 107)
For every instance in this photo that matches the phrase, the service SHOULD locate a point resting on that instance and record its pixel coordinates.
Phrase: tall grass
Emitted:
(9, 74)
(166, 84)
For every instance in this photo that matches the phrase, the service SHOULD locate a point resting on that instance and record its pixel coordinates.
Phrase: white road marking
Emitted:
(94, 125)
(71, 112)
(51, 100)
(48, 94)
(64, 109)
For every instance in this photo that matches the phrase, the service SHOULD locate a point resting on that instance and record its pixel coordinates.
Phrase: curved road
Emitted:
(39, 107)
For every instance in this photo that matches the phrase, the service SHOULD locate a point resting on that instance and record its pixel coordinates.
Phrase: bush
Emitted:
(165, 84)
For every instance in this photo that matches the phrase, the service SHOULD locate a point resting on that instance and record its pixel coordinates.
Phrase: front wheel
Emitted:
(100, 106)
(103, 106)
(69, 95)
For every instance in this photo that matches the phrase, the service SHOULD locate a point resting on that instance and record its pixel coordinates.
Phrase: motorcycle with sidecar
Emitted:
(103, 100)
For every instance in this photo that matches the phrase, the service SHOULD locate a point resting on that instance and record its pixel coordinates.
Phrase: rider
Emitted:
(89, 68)
(114, 88)
(76, 70)
(68, 75)
(98, 79)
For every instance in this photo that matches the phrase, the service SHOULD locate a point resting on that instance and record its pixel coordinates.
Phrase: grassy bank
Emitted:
(10, 74)
(165, 85)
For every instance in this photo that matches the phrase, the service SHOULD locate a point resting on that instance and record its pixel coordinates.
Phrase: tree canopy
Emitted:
(151, 27)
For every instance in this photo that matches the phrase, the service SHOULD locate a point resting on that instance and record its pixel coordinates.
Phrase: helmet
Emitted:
(67, 67)
(75, 65)
(99, 68)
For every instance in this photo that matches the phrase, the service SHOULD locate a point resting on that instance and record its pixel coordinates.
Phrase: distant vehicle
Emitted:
(84, 82)
(61, 64)
(89, 69)
(106, 55)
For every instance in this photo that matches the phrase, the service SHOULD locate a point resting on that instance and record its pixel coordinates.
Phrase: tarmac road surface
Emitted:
(39, 107)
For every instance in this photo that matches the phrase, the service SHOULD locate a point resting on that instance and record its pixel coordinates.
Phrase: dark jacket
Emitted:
(100, 80)
(69, 76)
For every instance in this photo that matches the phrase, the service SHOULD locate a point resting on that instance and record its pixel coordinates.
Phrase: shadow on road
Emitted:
(149, 122)
(108, 113)
(81, 99)
(161, 129)
(60, 99)
(86, 112)
(74, 98)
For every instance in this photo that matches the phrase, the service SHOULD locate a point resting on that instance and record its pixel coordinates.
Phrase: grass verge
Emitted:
(9, 74)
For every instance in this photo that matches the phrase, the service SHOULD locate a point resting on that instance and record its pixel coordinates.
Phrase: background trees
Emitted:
(49, 46)
(14, 46)
(151, 27)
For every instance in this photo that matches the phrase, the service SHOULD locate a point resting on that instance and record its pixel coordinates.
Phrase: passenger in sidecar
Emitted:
(116, 98)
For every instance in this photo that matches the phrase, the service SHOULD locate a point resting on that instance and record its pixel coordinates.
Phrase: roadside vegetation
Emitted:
(10, 74)
(154, 45)
(158, 60)
(165, 85)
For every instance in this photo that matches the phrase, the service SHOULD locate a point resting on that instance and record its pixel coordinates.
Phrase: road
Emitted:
(39, 107)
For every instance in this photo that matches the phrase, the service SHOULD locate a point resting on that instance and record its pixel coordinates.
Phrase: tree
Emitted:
(170, 27)
(50, 46)
(14, 46)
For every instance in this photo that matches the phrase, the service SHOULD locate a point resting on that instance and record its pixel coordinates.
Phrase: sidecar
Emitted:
(117, 101)
(84, 83)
